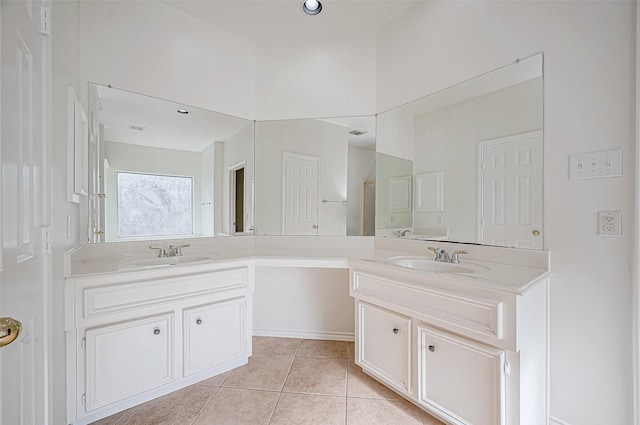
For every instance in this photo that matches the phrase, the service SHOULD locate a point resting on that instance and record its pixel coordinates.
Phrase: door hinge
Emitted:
(45, 20)
(47, 240)
(83, 343)
(83, 399)
(507, 368)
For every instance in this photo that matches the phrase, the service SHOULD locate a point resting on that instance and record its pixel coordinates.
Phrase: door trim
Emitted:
(232, 193)
(480, 189)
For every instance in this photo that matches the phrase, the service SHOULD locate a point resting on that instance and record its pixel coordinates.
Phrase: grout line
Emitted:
(205, 404)
(275, 406)
(122, 417)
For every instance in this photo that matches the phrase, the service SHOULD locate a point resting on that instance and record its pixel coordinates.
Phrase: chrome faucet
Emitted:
(443, 255)
(403, 233)
(176, 250)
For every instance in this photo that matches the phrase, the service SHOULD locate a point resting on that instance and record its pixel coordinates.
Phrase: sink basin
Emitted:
(422, 263)
(134, 263)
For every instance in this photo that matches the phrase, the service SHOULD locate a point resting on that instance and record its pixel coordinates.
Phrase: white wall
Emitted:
(589, 102)
(207, 160)
(144, 159)
(447, 140)
(151, 48)
(309, 137)
(316, 77)
(238, 148)
(303, 302)
(66, 73)
(395, 134)
(362, 168)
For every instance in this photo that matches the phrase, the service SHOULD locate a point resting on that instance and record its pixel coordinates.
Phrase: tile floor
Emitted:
(286, 382)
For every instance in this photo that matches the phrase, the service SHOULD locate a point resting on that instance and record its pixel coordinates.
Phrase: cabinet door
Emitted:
(460, 378)
(384, 345)
(214, 334)
(127, 359)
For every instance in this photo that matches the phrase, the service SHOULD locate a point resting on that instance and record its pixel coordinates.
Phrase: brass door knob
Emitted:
(99, 232)
(9, 330)
(536, 233)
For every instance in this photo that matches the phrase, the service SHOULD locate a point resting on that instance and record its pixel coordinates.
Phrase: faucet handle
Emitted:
(161, 251)
(176, 250)
(441, 254)
(454, 256)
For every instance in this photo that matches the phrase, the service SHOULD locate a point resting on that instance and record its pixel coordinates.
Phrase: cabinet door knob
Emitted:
(199, 321)
(432, 348)
(396, 330)
(156, 331)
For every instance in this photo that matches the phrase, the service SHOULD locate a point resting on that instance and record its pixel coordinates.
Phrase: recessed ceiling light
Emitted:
(311, 7)
(358, 132)
(183, 111)
(136, 127)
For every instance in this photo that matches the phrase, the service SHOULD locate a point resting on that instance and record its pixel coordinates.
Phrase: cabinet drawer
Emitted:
(114, 298)
(214, 334)
(384, 345)
(128, 358)
(461, 379)
(480, 318)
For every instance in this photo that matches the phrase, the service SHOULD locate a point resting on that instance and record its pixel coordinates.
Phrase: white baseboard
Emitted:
(556, 421)
(304, 334)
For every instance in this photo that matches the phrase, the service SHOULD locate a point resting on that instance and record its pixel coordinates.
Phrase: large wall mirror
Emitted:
(316, 176)
(465, 164)
(159, 169)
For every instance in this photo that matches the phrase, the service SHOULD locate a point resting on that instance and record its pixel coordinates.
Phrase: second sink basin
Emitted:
(422, 263)
(134, 263)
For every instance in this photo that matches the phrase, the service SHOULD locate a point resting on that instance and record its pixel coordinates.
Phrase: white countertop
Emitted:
(516, 271)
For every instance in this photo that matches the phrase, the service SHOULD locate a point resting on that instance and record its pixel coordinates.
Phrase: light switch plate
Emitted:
(609, 223)
(591, 165)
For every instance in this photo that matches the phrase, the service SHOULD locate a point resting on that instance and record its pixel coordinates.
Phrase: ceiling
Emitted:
(262, 20)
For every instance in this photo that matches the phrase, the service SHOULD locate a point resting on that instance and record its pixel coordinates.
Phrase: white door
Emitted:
(25, 212)
(510, 192)
(300, 195)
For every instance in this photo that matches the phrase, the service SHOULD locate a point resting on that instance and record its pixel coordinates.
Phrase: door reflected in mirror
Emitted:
(159, 169)
(313, 176)
(477, 163)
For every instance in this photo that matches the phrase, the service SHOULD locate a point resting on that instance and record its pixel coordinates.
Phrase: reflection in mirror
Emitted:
(477, 158)
(158, 169)
(393, 193)
(315, 176)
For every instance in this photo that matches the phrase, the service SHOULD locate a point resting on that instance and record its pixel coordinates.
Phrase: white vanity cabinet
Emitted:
(214, 334)
(137, 335)
(384, 347)
(128, 358)
(469, 354)
(461, 378)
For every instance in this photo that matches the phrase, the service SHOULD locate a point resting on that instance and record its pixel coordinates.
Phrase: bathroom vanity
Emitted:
(138, 334)
(466, 342)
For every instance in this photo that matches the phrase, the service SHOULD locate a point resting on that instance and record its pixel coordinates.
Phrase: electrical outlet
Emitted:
(609, 223)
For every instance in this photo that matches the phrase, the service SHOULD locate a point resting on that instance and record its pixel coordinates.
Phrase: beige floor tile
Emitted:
(307, 409)
(361, 385)
(268, 345)
(427, 419)
(263, 372)
(329, 349)
(312, 375)
(110, 420)
(178, 408)
(351, 352)
(215, 381)
(364, 411)
(231, 406)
